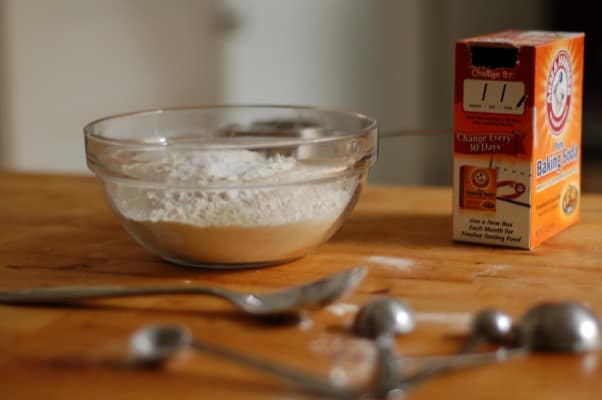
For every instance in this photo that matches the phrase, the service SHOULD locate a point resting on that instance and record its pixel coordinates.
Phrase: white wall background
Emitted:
(65, 62)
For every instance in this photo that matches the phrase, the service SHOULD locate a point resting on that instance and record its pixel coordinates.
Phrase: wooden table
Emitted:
(57, 230)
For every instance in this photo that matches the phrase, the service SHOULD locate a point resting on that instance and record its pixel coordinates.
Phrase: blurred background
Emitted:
(66, 62)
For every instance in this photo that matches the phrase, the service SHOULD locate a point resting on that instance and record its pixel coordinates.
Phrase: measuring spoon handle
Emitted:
(69, 293)
(460, 361)
(295, 377)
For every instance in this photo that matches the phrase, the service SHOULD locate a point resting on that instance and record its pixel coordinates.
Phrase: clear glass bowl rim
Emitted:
(371, 125)
(369, 130)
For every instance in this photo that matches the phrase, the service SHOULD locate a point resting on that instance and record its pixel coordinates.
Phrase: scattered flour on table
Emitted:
(306, 324)
(446, 318)
(590, 363)
(354, 364)
(305, 321)
(352, 358)
(396, 263)
(492, 269)
(340, 309)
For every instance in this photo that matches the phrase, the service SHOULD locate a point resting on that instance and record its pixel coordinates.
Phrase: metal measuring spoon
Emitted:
(154, 345)
(381, 319)
(488, 325)
(550, 327)
(559, 327)
(286, 301)
(553, 327)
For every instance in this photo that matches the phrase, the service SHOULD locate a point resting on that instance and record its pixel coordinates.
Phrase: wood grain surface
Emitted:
(57, 230)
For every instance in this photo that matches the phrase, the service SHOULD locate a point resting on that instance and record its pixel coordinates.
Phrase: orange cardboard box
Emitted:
(517, 136)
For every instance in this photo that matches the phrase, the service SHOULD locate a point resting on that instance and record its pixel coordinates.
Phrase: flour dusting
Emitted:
(492, 269)
(458, 319)
(400, 264)
(305, 322)
(262, 205)
(590, 363)
(353, 359)
(340, 309)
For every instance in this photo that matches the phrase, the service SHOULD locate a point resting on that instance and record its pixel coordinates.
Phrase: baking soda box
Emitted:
(517, 136)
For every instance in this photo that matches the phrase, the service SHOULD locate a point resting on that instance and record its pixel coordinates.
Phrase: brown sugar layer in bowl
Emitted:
(232, 244)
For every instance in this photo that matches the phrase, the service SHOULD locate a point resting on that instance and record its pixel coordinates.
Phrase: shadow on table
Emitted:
(416, 230)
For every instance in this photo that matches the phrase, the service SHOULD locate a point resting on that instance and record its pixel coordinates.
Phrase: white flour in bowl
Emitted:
(239, 225)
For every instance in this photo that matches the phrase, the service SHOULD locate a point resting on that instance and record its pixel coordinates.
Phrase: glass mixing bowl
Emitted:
(232, 186)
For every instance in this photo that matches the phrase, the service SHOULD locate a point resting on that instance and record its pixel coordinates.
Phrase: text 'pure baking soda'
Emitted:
(517, 136)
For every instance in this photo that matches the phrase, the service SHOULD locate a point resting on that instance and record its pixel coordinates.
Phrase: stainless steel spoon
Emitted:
(381, 319)
(384, 317)
(153, 345)
(488, 325)
(559, 327)
(550, 327)
(290, 300)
